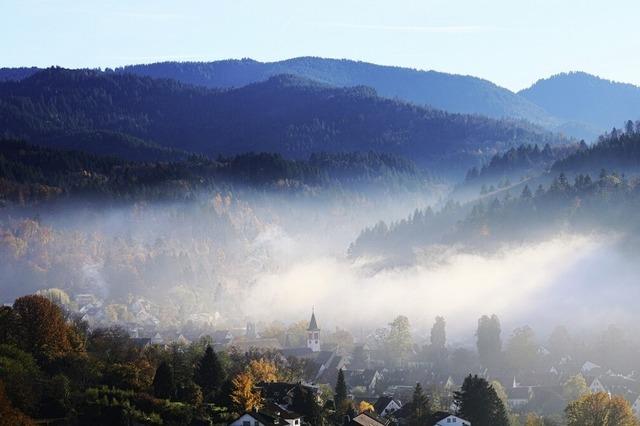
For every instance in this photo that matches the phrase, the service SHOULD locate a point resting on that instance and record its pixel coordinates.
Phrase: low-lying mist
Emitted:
(576, 280)
(233, 258)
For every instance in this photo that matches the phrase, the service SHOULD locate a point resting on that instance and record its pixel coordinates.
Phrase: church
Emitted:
(328, 361)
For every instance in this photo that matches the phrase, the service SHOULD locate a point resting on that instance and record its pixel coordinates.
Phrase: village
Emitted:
(383, 389)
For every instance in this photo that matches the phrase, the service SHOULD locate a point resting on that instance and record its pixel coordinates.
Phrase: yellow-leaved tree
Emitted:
(244, 393)
(364, 406)
(600, 409)
(263, 371)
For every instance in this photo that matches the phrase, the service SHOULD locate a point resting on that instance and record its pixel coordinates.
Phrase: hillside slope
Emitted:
(287, 115)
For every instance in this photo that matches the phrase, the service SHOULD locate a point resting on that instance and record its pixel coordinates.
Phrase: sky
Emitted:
(510, 42)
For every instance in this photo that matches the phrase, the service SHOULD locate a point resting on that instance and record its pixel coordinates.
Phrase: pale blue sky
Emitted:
(511, 42)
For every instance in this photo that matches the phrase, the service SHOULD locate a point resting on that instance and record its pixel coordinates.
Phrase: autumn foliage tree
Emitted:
(263, 370)
(10, 416)
(600, 409)
(365, 406)
(42, 329)
(244, 393)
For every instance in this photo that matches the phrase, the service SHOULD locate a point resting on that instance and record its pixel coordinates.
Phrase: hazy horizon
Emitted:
(508, 44)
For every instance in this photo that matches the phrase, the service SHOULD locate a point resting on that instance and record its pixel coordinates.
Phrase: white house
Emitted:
(589, 366)
(636, 407)
(518, 396)
(597, 386)
(446, 419)
(259, 418)
(386, 405)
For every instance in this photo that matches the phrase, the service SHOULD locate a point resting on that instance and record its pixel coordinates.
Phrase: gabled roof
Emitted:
(440, 415)
(382, 403)
(368, 418)
(313, 325)
(519, 393)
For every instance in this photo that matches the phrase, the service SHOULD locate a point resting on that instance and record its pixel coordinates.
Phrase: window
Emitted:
(246, 423)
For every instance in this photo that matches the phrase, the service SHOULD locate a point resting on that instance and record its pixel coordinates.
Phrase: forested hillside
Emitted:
(286, 115)
(33, 173)
(521, 162)
(590, 204)
(449, 92)
(618, 150)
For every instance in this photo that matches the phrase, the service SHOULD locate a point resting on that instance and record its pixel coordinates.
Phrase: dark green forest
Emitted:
(287, 115)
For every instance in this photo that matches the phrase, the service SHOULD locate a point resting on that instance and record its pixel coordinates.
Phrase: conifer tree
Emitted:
(340, 397)
(209, 374)
(163, 382)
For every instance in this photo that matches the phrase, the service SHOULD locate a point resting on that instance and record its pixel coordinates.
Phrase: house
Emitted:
(246, 344)
(365, 380)
(442, 418)
(386, 405)
(589, 368)
(519, 396)
(282, 393)
(222, 337)
(368, 418)
(141, 342)
(616, 384)
(269, 414)
(636, 406)
(157, 339)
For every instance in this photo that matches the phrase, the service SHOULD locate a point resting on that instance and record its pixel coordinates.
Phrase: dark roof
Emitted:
(222, 336)
(313, 325)
(141, 342)
(519, 393)
(359, 378)
(272, 414)
(297, 352)
(382, 403)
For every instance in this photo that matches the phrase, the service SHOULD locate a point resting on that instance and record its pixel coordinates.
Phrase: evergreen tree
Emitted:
(312, 411)
(340, 396)
(489, 343)
(420, 408)
(479, 403)
(163, 382)
(209, 374)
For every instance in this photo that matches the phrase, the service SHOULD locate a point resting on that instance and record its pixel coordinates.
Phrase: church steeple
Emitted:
(313, 333)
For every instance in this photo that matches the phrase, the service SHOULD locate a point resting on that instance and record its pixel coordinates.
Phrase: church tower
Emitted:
(313, 334)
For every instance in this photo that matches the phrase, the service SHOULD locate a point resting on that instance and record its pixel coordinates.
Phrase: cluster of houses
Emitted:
(387, 409)
(367, 378)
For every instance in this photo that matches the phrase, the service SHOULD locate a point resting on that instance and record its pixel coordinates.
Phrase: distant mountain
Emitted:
(449, 92)
(285, 114)
(587, 101)
(575, 104)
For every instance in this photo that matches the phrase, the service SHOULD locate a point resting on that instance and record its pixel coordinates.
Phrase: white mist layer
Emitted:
(560, 281)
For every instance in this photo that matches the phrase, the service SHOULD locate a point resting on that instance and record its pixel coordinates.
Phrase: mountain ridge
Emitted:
(285, 114)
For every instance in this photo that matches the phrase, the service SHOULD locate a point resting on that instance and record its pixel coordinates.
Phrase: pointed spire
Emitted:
(313, 325)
